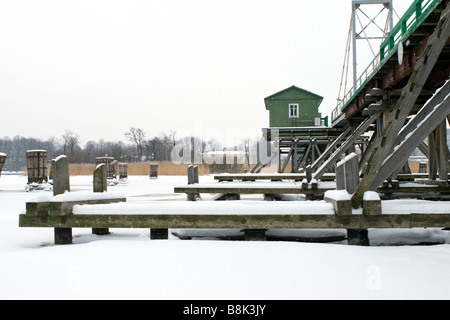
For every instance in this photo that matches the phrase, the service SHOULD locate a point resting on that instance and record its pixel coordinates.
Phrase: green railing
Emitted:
(411, 20)
(408, 24)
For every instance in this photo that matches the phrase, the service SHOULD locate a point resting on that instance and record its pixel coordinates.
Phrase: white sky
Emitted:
(99, 67)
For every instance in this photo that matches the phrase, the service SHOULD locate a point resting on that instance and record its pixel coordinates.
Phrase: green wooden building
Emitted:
(294, 107)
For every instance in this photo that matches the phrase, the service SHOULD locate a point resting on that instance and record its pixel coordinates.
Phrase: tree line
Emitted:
(137, 148)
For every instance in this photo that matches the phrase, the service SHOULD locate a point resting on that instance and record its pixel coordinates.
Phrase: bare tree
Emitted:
(137, 136)
(71, 142)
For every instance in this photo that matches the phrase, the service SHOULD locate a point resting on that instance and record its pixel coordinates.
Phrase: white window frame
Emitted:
(293, 115)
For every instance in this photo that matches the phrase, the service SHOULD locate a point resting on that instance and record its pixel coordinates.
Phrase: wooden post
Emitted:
(351, 173)
(443, 151)
(61, 184)
(2, 162)
(100, 178)
(358, 237)
(432, 157)
(192, 173)
(308, 173)
(371, 204)
(347, 173)
(340, 199)
(196, 174)
(100, 185)
(347, 178)
(340, 176)
(255, 234)
(294, 157)
(110, 166)
(159, 234)
(154, 167)
(37, 166)
(61, 178)
(123, 171)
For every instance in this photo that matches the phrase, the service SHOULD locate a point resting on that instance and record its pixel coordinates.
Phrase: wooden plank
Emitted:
(303, 221)
(249, 190)
(64, 208)
(430, 221)
(37, 208)
(272, 177)
(349, 142)
(299, 190)
(414, 189)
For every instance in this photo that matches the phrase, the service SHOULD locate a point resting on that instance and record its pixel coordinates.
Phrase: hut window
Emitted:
(293, 111)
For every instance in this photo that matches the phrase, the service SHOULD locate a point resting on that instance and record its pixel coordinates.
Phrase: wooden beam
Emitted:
(423, 114)
(249, 189)
(330, 149)
(346, 145)
(301, 221)
(412, 136)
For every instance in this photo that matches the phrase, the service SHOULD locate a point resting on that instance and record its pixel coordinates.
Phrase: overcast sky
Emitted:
(100, 67)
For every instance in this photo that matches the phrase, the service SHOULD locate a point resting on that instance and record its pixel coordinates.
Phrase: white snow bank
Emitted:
(84, 196)
(76, 196)
(371, 196)
(408, 206)
(44, 197)
(338, 195)
(208, 208)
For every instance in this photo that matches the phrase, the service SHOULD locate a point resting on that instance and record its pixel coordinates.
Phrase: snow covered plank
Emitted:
(64, 208)
(63, 204)
(208, 208)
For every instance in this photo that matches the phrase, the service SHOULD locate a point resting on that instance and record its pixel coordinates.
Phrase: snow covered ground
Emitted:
(127, 265)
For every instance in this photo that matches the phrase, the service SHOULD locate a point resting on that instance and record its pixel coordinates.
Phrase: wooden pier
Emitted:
(101, 211)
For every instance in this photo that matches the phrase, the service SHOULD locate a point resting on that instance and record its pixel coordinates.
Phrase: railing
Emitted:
(411, 20)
